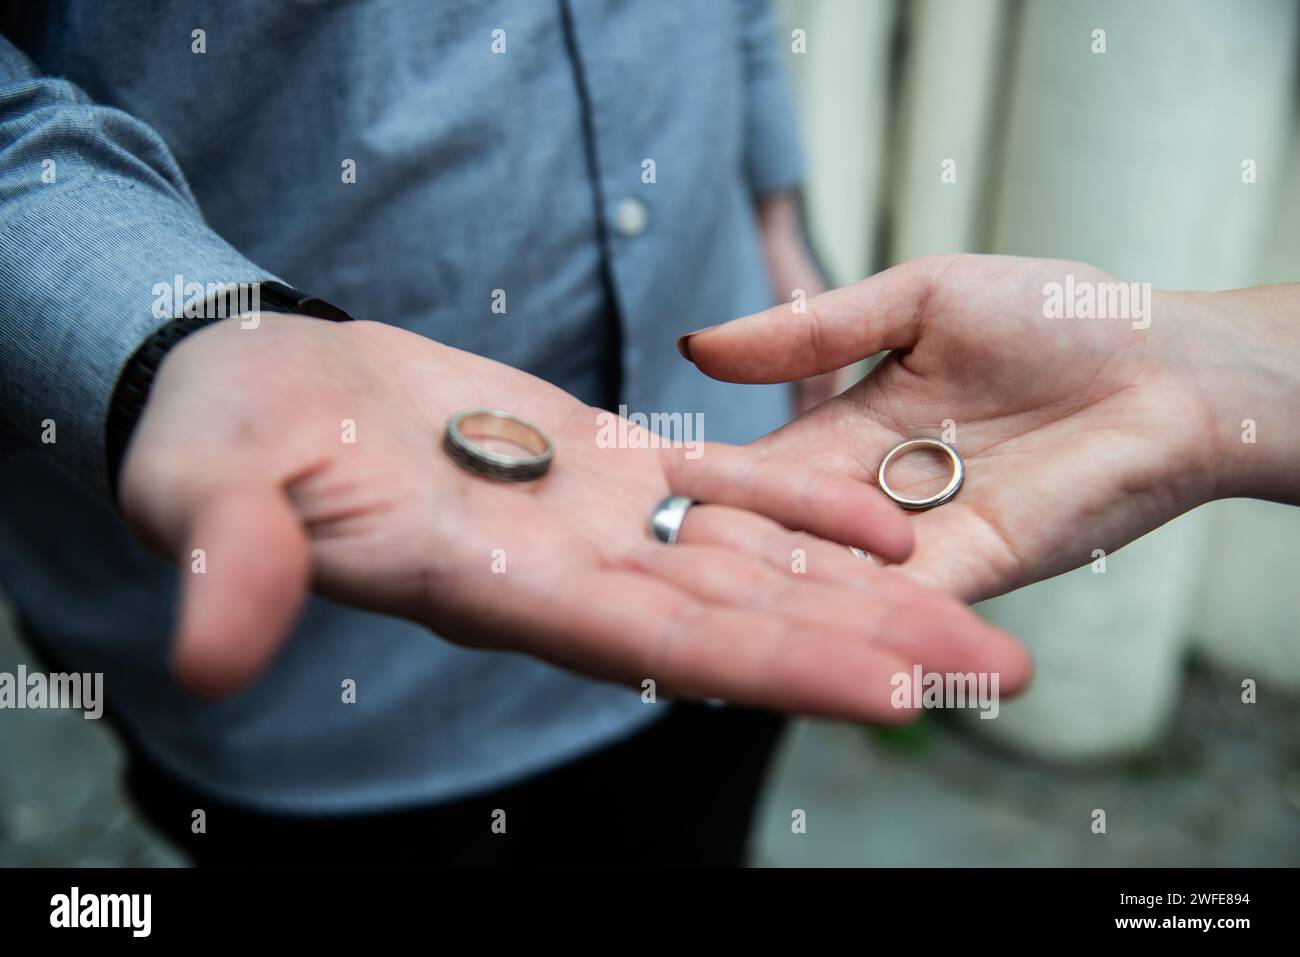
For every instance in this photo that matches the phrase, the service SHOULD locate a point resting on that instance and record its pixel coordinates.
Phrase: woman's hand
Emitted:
(244, 453)
(794, 275)
(1077, 433)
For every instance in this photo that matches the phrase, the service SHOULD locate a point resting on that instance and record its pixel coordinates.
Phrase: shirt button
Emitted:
(630, 217)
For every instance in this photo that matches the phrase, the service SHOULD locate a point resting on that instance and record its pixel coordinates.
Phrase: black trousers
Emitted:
(681, 792)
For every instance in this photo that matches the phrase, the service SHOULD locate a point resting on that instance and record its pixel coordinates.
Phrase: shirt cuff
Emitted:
(774, 156)
(85, 278)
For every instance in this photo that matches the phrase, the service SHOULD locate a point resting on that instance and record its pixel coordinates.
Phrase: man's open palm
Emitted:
(241, 453)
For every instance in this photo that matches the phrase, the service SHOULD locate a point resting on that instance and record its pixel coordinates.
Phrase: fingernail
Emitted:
(684, 343)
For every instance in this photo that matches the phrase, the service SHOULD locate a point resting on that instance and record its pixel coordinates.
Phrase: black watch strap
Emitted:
(133, 385)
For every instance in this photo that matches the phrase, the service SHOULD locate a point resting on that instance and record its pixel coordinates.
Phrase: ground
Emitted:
(1221, 788)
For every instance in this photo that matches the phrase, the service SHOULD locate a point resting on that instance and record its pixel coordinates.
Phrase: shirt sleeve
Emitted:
(94, 214)
(773, 155)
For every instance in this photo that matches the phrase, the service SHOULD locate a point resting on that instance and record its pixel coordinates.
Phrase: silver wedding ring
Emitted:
(921, 504)
(666, 519)
(470, 424)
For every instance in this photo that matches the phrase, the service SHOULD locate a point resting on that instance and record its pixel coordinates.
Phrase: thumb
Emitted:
(834, 329)
(244, 573)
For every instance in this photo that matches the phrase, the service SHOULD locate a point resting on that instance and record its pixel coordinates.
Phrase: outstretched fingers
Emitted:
(676, 644)
(796, 495)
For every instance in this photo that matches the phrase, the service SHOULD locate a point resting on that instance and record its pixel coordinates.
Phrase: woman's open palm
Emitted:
(1063, 423)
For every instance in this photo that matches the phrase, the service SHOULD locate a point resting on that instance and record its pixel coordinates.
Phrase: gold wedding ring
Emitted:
(921, 504)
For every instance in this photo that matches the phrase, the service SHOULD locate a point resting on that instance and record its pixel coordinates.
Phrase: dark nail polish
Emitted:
(684, 343)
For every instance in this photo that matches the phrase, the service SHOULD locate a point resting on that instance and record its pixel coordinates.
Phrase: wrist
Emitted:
(135, 382)
(783, 236)
(1239, 351)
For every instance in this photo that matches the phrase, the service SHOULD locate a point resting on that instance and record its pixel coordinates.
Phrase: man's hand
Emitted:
(1077, 433)
(242, 453)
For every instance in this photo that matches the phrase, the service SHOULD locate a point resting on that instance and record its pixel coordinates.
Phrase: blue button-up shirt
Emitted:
(594, 160)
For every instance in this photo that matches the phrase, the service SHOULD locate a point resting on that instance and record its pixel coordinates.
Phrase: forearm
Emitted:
(96, 224)
(790, 264)
(1241, 350)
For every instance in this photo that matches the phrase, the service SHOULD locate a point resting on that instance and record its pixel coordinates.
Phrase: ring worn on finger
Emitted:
(666, 519)
(921, 504)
